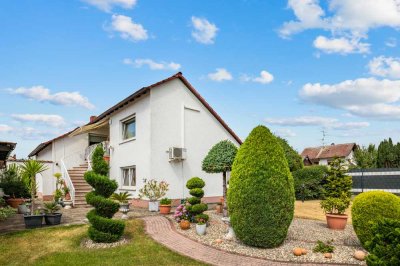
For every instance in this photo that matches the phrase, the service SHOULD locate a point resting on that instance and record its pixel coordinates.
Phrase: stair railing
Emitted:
(68, 181)
(67, 163)
(89, 152)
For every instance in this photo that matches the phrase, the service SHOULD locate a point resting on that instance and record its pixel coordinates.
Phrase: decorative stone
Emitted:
(359, 255)
(304, 251)
(328, 255)
(218, 241)
(231, 234)
(297, 251)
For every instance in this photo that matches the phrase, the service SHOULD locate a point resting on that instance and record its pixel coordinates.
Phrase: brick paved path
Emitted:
(160, 229)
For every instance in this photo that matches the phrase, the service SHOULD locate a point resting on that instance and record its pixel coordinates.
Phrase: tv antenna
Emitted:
(323, 137)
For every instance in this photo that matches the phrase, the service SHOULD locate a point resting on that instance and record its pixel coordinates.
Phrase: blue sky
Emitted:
(297, 66)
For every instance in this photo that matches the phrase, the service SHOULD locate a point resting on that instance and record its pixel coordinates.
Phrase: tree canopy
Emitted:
(220, 157)
(292, 156)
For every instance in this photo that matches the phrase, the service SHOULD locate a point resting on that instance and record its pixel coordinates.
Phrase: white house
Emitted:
(160, 132)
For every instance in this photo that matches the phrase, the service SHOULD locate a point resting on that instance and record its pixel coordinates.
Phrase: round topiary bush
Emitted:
(103, 228)
(261, 193)
(196, 208)
(370, 207)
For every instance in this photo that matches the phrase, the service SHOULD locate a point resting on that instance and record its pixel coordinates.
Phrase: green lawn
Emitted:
(60, 246)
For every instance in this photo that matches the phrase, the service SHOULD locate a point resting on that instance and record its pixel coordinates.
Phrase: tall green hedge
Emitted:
(309, 182)
(103, 228)
(370, 207)
(261, 193)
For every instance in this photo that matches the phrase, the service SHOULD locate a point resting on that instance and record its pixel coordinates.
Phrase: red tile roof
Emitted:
(326, 152)
(137, 95)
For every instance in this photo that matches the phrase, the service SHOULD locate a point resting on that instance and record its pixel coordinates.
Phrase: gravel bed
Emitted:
(88, 243)
(302, 233)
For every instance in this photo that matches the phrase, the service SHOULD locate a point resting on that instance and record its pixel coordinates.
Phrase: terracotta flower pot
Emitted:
(184, 224)
(218, 208)
(14, 202)
(67, 196)
(106, 158)
(336, 221)
(165, 209)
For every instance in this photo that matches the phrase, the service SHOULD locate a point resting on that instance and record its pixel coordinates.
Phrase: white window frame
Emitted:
(130, 187)
(123, 125)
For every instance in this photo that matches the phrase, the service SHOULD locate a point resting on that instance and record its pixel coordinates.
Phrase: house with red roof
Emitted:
(162, 131)
(323, 155)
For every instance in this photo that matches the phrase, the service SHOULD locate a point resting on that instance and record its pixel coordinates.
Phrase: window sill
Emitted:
(127, 140)
(128, 188)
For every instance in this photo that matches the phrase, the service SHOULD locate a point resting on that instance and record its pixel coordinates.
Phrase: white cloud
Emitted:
(128, 29)
(30, 133)
(285, 133)
(204, 31)
(153, 65)
(351, 18)
(366, 97)
(341, 45)
(42, 94)
(5, 128)
(107, 5)
(385, 67)
(50, 120)
(264, 78)
(391, 42)
(220, 74)
(326, 122)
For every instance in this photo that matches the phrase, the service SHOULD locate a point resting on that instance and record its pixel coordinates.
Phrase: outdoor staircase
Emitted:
(80, 185)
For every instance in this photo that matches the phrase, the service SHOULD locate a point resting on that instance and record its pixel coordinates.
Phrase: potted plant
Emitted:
(153, 190)
(165, 206)
(218, 207)
(52, 216)
(14, 187)
(123, 198)
(337, 194)
(201, 227)
(30, 169)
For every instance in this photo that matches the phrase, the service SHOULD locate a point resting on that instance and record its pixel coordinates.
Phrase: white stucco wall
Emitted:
(135, 152)
(171, 116)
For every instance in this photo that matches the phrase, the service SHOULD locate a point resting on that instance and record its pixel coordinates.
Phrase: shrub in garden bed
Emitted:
(6, 212)
(103, 228)
(309, 182)
(384, 246)
(261, 192)
(370, 207)
(195, 186)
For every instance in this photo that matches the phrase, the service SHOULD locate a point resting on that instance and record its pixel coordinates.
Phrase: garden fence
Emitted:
(386, 179)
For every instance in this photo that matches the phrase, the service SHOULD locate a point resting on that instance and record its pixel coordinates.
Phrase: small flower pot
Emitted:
(68, 204)
(218, 208)
(184, 224)
(165, 209)
(22, 208)
(336, 221)
(201, 229)
(123, 206)
(33, 221)
(14, 202)
(106, 158)
(154, 206)
(53, 218)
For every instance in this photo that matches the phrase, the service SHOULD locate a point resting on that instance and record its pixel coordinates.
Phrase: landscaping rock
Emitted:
(297, 251)
(328, 255)
(359, 255)
(304, 251)
(88, 243)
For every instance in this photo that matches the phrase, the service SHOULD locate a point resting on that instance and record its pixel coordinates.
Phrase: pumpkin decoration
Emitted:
(184, 224)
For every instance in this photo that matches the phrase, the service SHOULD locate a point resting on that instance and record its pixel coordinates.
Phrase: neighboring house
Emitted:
(160, 132)
(323, 155)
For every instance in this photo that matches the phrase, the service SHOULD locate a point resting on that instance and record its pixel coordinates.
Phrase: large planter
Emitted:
(154, 206)
(53, 218)
(184, 224)
(336, 221)
(123, 206)
(33, 221)
(23, 209)
(14, 202)
(201, 229)
(165, 209)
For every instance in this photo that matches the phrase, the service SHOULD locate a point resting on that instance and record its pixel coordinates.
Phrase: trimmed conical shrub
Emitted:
(103, 228)
(261, 193)
(196, 208)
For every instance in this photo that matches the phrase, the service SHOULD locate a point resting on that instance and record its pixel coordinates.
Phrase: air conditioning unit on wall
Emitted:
(177, 154)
